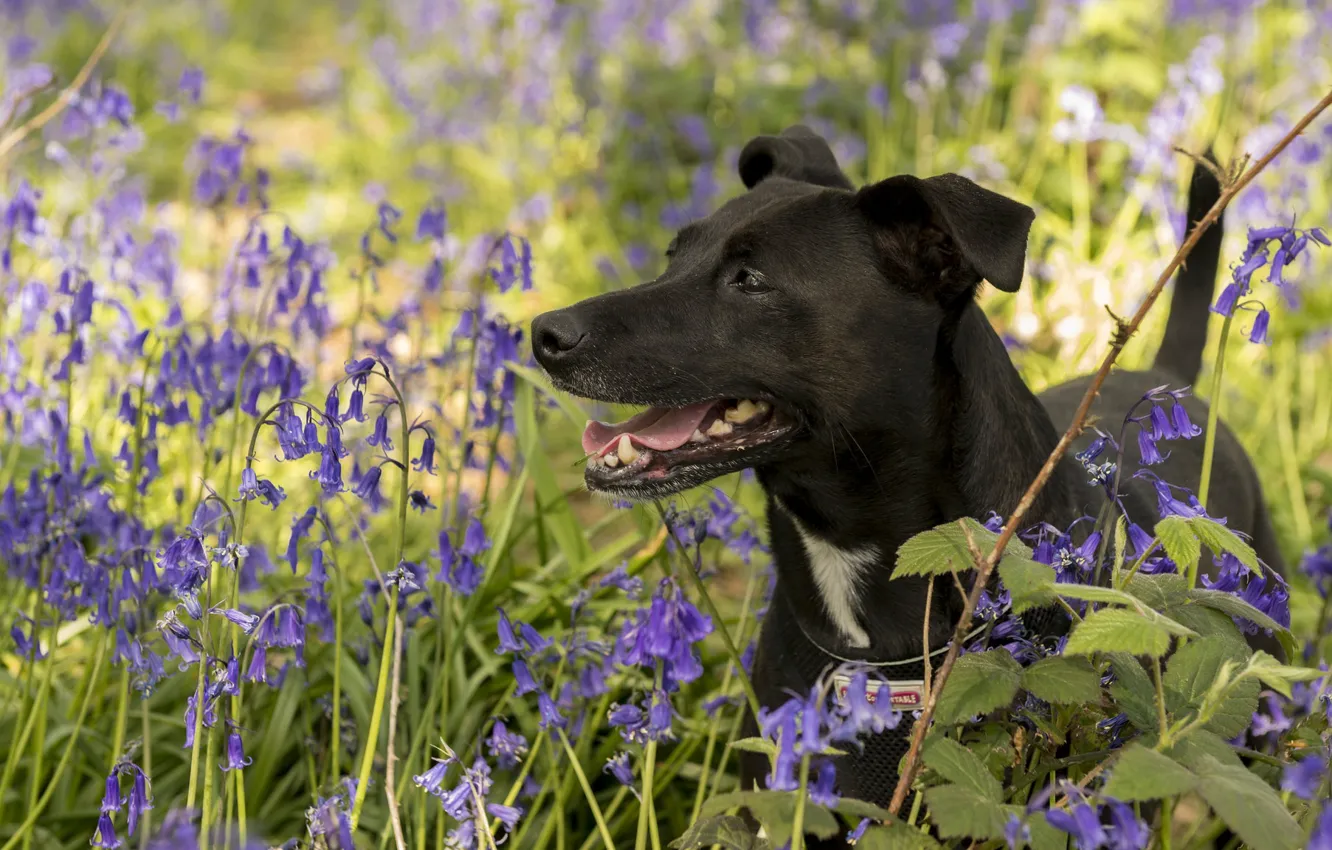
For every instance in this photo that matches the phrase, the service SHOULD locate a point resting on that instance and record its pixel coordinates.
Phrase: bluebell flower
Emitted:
(111, 800)
(235, 755)
(105, 835)
(535, 642)
(355, 407)
(1321, 836)
(863, 712)
(1303, 778)
(367, 488)
(420, 502)
(522, 677)
(380, 437)
(1258, 333)
(139, 801)
(667, 631)
(1082, 822)
(246, 622)
(253, 487)
(823, 790)
(329, 473)
(426, 461)
(618, 767)
(507, 748)
(1127, 831)
(432, 780)
(508, 641)
(257, 671)
(1017, 834)
(432, 223)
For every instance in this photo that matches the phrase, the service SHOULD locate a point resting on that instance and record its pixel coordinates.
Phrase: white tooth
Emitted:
(743, 411)
(628, 454)
(762, 408)
(611, 460)
(595, 460)
(698, 437)
(720, 429)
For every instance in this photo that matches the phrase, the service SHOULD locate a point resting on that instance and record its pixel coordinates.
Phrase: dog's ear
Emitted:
(798, 153)
(988, 231)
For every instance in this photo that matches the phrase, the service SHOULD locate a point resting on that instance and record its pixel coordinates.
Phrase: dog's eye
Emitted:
(750, 282)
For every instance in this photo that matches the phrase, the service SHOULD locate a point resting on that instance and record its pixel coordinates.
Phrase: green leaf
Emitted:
(1030, 583)
(727, 831)
(1063, 680)
(1095, 593)
(980, 683)
(1201, 745)
(1044, 836)
(959, 765)
(1179, 541)
(1159, 591)
(1143, 774)
(1209, 623)
(895, 836)
(1197, 669)
(944, 549)
(775, 810)
(961, 812)
(1118, 630)
(1249, 806)
(755, 745)
(559, 519)
(538, 379)
(1221, 539)
(1278, 676)
(1133, 691)
(860, 809)
(1229, 603)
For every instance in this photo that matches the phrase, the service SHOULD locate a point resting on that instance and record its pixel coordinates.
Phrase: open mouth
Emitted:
(665, 450)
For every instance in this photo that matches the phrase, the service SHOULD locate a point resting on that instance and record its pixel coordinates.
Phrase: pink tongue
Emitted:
(655, 428)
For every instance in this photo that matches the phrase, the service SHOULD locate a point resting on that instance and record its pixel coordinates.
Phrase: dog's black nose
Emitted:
(554, 335)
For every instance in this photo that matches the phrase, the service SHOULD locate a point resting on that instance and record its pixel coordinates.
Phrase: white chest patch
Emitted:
(838, 573)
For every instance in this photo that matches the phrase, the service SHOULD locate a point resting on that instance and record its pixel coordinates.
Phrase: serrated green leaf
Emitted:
(895, 836)
(944, 549)
(1095, 593)
(960, 812)
(860, 809)
(1133, 691)
(775, 810)
(1030, 583)
(1221, 539)
(727, 831)
(1159, 591)
(980, 683)
(1179, 542)
(1229, 603)
(1209, 623)
(1249, 806)
(1143, 774)
(960, 766)
(755, 745)
(1063, 680)
(1200, 745)
(1278, 676)
(1118, 630)
(1195, 670)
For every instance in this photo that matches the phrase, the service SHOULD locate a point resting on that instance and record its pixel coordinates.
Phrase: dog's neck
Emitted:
(838, 518)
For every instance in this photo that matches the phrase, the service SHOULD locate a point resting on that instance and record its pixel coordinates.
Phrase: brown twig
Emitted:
(986, 567)
(67, 95)
(925, 639)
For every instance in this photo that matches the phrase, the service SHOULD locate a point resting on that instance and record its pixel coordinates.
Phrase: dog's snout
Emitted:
(555, 335)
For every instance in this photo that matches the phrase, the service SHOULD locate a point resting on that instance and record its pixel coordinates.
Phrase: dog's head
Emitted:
(795, 315)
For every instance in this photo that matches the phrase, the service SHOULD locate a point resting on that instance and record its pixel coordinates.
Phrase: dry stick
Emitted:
(1125, 331)
(66, 97)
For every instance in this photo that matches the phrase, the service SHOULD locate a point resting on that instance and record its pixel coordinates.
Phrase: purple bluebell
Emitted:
(522, 678)
(507, 748)
(618, 766)
(420, 502)
(111, 799)
(139, 801)
(1303, 778)
(1081, 822)
(823, 790)
(367, 489)
(380, 436)
(1127, 831)
(432, 780)
(1017, 834)
(1320, 838)
(508, 640)
(253, 487)
(235, 754)
(246, 622)
(426, 461)
(1258, 333)
(105, 835)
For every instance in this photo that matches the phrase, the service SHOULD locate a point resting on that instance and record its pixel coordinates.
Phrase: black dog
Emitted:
(829, 338)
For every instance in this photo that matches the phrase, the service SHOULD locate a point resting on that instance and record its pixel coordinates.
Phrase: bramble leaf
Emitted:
(944, 549)
(980, 683)
(961, 812)
(1229, 603)
(959, 765)
(1198, 668)
(1248, 805)
(1221, 539)
(1179, 541)
(1118, 630)
(1144, 774)
(727, 831)
(1063, 680)
(1030, 583)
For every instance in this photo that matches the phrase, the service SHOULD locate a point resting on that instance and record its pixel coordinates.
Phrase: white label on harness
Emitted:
(909, 693)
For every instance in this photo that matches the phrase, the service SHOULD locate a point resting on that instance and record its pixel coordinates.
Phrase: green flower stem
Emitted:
(621, 794)
(23, 833)
(33, 708)
(1213, 416)
(198, 734)
(802, 794)
(122, 716)
(587, 792)
(335, 754)
(1167, 819)
(42, 712)
(146, 827)
(377, 712)
(210, 770)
